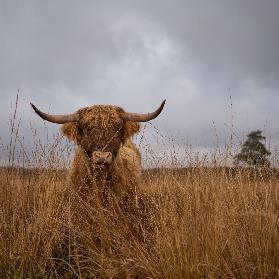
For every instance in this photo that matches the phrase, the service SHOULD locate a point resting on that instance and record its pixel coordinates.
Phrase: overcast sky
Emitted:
(68, 54)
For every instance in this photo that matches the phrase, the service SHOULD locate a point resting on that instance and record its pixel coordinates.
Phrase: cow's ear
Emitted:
(70, 130)
(130, 128)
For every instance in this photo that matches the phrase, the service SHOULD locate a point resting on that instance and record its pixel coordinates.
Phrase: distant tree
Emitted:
(253, 151)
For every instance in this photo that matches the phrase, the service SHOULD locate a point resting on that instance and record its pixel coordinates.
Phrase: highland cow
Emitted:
(106, 158)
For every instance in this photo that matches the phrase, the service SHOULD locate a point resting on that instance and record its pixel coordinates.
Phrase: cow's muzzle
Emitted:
(101, 158)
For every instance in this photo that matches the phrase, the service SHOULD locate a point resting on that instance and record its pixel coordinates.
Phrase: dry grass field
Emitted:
(198, 222)
(192, 223)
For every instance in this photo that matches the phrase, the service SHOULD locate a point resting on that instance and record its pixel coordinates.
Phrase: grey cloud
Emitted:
(69, 54)
(236, 37)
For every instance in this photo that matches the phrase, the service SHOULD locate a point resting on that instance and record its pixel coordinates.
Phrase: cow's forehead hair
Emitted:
(99, 112)
(101, 123)
(101, 109)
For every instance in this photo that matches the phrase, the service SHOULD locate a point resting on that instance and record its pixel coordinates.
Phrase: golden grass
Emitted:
(193, 224)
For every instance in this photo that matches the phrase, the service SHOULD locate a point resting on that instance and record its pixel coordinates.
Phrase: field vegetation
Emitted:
(198, 221)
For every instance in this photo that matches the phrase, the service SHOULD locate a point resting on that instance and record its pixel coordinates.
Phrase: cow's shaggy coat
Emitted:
(106, 159)
(102, 128)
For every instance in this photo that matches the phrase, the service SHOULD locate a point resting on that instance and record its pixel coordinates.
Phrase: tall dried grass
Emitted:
(199, 222)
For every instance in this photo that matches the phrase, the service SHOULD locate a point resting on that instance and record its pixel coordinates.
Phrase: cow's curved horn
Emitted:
(59, 119)
(137, 117)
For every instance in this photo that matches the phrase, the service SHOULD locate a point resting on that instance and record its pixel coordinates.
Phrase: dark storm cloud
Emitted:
(67, 54)
(239, 37)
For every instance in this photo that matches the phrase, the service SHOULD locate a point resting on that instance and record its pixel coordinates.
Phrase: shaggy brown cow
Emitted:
(106, 157)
